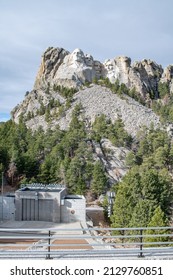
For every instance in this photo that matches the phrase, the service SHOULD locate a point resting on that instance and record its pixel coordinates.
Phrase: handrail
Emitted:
(87, 229)
(93, 241)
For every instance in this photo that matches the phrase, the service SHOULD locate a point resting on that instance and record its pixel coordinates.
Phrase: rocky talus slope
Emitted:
(95, 100)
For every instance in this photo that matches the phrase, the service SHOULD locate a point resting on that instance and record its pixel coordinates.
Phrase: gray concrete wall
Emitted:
(42, 206)
(7, 208)
(73, 209)
(49, 206)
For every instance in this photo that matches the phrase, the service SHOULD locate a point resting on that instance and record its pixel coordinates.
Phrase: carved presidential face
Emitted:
(97, 66)
(78, 55)
(89, 60)
(111, 70)
(109, 65)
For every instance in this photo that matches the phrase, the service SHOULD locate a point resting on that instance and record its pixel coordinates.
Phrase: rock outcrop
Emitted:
(61, 67)
(50, 62)
(167, 77)
(112, 158)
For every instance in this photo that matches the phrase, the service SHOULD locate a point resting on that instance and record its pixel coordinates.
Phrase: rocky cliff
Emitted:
(58, 66)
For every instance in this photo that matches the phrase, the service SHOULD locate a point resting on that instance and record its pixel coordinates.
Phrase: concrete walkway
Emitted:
(67, 228)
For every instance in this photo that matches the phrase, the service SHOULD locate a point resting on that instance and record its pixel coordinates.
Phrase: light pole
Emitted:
(2, 193)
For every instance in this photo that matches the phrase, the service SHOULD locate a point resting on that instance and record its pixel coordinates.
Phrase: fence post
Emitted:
(123, 237)
(141, 255)
(48, 256)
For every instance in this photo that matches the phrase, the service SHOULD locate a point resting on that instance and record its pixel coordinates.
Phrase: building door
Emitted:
(28, 209)
(45, 208)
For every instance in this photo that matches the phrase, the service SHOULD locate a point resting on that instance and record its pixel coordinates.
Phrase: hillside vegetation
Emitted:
(67, 157)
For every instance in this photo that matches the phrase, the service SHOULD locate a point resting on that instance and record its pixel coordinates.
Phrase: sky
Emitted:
(105, 29)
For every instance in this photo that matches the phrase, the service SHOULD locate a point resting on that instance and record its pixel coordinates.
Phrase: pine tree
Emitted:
(122, 211)
(130, 159)
(98, 184)
(158, 220)
(142, 213)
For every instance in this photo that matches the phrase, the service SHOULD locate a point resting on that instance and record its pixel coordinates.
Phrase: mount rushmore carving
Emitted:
(59, 66)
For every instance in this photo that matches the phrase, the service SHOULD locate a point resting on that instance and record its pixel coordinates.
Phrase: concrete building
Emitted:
(73, 208)
(37, 202)
(7, 207)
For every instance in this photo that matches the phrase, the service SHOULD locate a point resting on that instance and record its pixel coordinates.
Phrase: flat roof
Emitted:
(40, 190)
(73, 196)
(41, 187)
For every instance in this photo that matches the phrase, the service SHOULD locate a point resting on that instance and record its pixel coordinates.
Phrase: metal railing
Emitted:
(86, 243)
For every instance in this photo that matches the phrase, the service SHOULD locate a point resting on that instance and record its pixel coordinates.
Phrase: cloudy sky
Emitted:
(105, 29)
